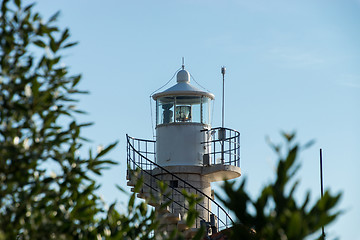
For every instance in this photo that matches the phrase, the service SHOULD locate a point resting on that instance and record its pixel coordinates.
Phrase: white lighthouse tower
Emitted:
(188, 154)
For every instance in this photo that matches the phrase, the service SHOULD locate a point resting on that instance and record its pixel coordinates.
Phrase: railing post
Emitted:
(139, 147)
(214, 151)
(127, 152)
(222, 137)
(141, 163)
(235, 150)
(239, 161)
(218, 214)
(230, 150)
(134, 159)
(146, 150)
(226, 222)
(208, 207)
(155, 152)
(196, 219)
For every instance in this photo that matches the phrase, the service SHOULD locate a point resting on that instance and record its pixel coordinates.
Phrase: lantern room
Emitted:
(183, 103)
(182, 113)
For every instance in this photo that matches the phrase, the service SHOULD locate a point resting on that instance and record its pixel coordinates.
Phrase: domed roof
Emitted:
(183, 76)
(183, 88)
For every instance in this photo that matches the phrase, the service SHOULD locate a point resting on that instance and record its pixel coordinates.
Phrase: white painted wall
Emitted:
(180, 144)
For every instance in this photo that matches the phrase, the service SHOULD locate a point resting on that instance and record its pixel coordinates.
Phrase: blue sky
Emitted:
(291, 65)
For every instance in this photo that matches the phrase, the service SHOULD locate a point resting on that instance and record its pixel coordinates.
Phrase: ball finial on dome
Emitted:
(183, 76)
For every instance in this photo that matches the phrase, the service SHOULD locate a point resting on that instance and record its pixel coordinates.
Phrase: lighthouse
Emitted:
(188, 154)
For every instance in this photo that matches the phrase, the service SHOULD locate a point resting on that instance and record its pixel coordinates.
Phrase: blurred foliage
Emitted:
(275, 214)
(38, 131)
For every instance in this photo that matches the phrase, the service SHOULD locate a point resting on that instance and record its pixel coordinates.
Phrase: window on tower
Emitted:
(205, 110)
(174, 183)
(165, 110)
(183, 113)
(188, 109)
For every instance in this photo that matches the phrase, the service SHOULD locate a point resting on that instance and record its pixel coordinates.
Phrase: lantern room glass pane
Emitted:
(183, 109)
(165, 110)
(183, 113)
(196, 113)
(206, 110)
(188, 109)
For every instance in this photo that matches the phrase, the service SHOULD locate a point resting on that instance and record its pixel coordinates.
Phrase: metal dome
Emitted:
(183, 88)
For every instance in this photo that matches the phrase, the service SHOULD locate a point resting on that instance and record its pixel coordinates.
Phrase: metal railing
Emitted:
(143, 158)
(224, 145)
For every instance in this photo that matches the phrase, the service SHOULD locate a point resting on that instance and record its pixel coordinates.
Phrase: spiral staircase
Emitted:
(158, 188)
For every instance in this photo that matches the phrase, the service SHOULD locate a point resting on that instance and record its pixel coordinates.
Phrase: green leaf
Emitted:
(121, 189)
(76, 81)
(131, 202)
(275, 147)
(79, 111)
(309, 144)
(53, 45)
(291, 157)
(18, 3)
(65, 35)
(35, 87)
(294, 226)
(28, 7)
(107, 149)
(54, 17)
(70, 45)
(40, 43)
(85, 124)
(36, 17)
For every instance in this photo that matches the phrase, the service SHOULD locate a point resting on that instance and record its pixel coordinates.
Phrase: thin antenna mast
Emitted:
(222, 132)
(322, 189)
(223, 69)
(183, 63)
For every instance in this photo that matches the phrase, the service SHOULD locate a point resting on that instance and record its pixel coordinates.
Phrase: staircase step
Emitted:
(156, 203)
(133, 175)
(130, 174)
(170, 228)
(152, 203)
(169, 218)
(140, 191)
(130, 184)
(132, 181)
(181, 226)
(191, 232)
(144, 195)
(163, 210)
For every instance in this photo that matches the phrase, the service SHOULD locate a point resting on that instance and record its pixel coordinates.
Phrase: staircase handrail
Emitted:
(181, 180)
(174, 189)
(155, 189)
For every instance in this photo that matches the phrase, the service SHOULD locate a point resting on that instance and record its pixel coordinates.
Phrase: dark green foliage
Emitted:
(277, 215)
(38, 131)
(136, 223)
